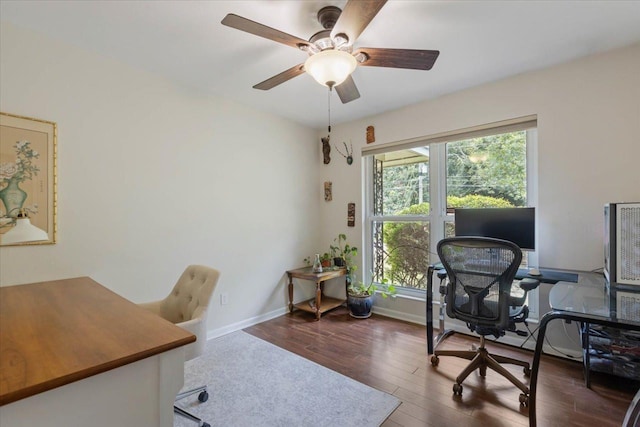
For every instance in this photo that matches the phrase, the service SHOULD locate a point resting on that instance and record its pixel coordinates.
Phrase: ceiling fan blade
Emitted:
(347, 90)
(397, 58)
(355, 17)
(280, 78)
(255, 28)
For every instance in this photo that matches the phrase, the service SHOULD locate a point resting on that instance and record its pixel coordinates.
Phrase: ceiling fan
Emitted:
(332, 57)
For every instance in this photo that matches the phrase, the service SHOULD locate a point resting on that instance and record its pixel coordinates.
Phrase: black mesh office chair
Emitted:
(481, 273)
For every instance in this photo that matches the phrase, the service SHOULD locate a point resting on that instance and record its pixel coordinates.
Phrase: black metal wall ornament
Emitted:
(348, 151)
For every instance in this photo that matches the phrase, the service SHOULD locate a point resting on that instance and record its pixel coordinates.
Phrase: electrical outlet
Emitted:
(224, 298)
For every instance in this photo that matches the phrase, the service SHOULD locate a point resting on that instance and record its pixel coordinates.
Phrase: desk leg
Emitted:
(586, 362)
(429, 310)
(318, 299)
(290, 294)
(535, 367)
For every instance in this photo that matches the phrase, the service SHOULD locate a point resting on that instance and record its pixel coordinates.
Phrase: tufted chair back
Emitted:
(188, 303)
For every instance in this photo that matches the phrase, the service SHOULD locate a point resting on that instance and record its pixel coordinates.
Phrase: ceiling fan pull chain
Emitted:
(329, 102)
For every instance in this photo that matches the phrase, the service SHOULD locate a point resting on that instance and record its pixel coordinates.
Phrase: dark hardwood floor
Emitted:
(390, 355)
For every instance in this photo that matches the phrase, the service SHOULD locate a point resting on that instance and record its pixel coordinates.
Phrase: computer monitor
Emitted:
(518, 225)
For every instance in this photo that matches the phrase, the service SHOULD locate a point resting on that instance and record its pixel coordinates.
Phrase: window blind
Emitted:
(495, 128)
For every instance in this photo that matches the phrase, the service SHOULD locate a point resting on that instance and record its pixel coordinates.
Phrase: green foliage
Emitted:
(342, 249)
(476, 201)
(384, 289)
(402, 186)
(407, 249)
(492, 166)
(408, 244)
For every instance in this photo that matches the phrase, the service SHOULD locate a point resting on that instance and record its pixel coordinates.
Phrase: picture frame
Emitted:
(28, 174)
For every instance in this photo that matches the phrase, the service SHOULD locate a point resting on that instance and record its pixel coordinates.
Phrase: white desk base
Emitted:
(138, 394)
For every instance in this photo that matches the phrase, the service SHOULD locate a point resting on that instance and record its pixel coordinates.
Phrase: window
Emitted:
(413, 188)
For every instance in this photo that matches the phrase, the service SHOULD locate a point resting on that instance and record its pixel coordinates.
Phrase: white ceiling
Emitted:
(479, 42)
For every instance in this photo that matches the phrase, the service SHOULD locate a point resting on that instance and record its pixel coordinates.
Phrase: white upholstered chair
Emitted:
(187, 306)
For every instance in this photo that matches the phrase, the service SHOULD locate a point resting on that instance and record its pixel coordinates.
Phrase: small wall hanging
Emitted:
(328, 195)
(349, 152)
(371, 136)
(326, 149)
(351, 215)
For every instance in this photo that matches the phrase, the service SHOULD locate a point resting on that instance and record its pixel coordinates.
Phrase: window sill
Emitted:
(409, 296)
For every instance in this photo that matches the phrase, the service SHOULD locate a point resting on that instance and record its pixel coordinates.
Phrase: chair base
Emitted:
(481, 360)
(202, 397)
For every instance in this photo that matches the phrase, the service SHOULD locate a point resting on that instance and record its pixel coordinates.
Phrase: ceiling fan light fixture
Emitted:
(341, 40)
(330, 67)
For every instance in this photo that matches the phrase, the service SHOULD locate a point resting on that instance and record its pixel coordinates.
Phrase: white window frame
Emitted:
(437, 188)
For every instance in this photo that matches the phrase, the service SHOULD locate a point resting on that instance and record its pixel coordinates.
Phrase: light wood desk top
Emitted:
(54, 333)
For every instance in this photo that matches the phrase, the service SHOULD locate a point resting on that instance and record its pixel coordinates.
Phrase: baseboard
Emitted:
(215, 333)
(400, 315)
(459, 327)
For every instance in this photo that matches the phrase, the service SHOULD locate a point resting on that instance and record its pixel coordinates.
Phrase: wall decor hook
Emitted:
(348, 151)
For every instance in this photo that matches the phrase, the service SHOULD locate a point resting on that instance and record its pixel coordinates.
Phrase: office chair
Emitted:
(186, 306)
(481, 273)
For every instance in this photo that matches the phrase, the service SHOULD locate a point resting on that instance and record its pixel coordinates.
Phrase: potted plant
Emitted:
(325, 260)
(360, 297)
(342, 252)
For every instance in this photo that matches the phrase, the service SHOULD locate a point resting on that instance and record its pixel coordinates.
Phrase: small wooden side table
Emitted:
(320, 303)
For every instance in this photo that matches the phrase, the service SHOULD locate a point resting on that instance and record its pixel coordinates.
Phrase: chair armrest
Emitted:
(442, 274)
(153, 306)
(197, 327)
(192, 326)
(529, 284)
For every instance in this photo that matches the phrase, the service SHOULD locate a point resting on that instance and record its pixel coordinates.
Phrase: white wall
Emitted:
(153, 177)
(588, 150)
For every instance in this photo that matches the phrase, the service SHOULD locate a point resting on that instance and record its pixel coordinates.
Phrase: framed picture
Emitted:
(28, 173)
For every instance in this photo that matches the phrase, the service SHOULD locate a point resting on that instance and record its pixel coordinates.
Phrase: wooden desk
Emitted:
(71, 335)
(320, 303)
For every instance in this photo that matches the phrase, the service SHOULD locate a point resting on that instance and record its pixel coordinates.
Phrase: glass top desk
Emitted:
(589, 302)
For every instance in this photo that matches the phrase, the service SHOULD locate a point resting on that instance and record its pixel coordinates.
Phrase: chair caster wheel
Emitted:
(203, 396)
(435, 360)
(483, 371)
(524, 399)
(457, 389)
(206, 425)
(527, 372)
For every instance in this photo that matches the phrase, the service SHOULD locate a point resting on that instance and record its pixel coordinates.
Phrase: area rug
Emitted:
(254, 383)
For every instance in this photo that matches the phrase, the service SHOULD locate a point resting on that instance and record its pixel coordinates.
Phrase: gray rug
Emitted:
(254, 383)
